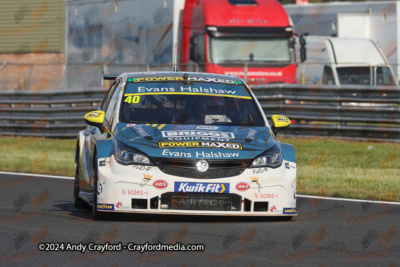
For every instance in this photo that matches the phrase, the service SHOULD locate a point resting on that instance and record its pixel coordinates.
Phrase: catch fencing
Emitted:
(354, 112)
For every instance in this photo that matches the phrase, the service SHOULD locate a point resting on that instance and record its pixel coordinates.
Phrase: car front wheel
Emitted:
(78, 202)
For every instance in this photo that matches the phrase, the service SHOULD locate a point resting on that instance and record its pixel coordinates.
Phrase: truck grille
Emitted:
(187, 167)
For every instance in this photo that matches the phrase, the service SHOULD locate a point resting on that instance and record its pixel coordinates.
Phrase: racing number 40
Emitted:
(132, 99)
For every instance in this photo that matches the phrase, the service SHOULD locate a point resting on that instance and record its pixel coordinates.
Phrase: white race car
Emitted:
(183, 143)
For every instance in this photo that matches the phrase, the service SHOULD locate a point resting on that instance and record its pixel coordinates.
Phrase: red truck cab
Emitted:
(252, 39)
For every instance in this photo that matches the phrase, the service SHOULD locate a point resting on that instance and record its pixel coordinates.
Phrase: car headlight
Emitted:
(127, 155)
(270, 158)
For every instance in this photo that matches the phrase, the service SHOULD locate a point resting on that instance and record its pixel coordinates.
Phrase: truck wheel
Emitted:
(78, 202)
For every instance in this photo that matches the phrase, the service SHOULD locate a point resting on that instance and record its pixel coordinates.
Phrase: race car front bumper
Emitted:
(146, 189)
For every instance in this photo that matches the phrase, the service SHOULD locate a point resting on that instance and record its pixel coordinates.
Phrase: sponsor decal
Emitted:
(141, 168)
(119, 206)
(197, 154)
(123, 154)
(146, 179)
(289, 210)
(267, 195)
(185, 127)
(194, 127)
(197, 139)
(130, 125)
(94, 114)
(142, 90)
(272, 209)
(277, 156)
(135, 192)
(242, 186)
(198, 133)
(152, 79)
(260, 170)
(289, 166)
(281, 119)
(201, 187)
(102, 206)
(160, 184)
(207, 127)
(201, 144)
(102, 163)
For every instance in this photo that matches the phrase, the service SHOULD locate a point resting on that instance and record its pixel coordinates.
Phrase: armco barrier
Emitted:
(49, 114)
(355, 112)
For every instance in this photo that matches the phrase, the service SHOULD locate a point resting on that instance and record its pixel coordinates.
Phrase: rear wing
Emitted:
(108, 77)
(112, 77)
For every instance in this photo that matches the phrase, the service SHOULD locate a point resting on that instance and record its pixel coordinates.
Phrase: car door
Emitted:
(93, 133)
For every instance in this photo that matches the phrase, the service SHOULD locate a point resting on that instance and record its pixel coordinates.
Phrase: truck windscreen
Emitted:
(354, 75)
(384, 76)
(234, 49)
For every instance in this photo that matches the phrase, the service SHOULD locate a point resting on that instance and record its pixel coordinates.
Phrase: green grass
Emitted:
(328, 167)
(38, 155)
(325, 167)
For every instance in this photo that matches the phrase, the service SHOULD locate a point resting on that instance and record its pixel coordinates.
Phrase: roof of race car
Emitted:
(180, 74)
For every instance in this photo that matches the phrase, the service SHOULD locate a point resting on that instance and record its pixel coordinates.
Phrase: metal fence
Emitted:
(48, 114)
(354, 112)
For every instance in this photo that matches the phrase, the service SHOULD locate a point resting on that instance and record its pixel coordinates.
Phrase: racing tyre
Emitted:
(78, 202)
(286, 218)
(97, 215)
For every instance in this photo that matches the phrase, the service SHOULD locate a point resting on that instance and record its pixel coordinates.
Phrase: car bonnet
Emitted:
(196, 141)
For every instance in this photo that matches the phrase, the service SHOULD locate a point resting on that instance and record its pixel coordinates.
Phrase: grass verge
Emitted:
(325, 167)
(351, 169)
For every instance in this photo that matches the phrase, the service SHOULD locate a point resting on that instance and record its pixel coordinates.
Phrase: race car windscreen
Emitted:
(195, 103)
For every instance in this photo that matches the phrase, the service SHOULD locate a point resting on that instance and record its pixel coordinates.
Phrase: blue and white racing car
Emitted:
(183, 143)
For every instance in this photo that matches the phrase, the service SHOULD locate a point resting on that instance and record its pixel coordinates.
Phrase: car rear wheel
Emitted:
(78, 202)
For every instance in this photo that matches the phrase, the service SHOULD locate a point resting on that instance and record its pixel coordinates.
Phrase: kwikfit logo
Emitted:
(201, 187)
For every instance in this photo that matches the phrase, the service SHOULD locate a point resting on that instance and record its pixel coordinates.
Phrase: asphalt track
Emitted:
(327, 232)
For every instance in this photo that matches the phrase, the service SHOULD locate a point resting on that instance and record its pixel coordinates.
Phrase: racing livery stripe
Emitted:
(181, 93)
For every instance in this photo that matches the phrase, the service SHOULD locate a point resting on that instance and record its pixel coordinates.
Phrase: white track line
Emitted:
(38, 175)
(329, 198)
(353, 200)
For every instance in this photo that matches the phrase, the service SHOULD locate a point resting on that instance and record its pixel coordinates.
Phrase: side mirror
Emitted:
(96, 119)
(279, 123)
(303, 52)
(194, 48)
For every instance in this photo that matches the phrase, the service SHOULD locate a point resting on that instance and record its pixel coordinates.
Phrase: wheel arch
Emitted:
(288, 152)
